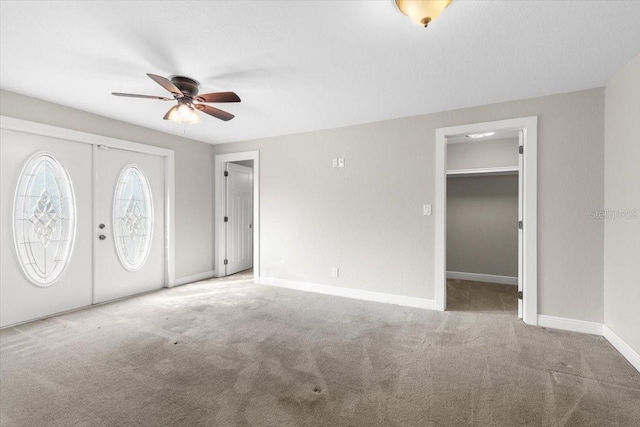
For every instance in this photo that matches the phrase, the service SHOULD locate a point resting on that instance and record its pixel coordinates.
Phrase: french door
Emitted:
(45, 239)
(80, 224)
(130, 223)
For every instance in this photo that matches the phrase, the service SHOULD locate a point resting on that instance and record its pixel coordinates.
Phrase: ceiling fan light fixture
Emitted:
(422, 12)
(183, 113)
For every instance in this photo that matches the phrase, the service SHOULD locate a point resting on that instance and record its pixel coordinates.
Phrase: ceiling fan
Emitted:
(185, 92)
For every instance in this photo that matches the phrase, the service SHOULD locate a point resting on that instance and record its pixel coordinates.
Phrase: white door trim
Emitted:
(35, 128)
(519, 279)
(219, 163)
(529, 126)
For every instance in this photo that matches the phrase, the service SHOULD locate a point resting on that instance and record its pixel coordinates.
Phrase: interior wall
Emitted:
(367, 218)
(483, 154)
(193, 171)
(482, 218)
(622, 203)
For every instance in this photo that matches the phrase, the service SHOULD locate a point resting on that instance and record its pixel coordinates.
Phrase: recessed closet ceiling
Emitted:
(303, 66)
(497, 135)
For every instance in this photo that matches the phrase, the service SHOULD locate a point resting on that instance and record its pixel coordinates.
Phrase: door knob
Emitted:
(102, 237)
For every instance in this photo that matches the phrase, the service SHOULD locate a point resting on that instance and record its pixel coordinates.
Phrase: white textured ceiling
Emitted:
(308, 65)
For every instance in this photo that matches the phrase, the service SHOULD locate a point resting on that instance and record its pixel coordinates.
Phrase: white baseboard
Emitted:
(477, 277)
(349, 293)
(574, 325)
(625, 349)
(194, 278)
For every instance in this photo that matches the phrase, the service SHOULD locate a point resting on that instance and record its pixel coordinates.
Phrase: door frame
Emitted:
(219, 162)
(529, 128)
(35, 128)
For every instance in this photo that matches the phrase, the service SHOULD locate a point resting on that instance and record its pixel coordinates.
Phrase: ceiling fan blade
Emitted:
(133, 95)
(165, 83)
(218, 97)
(171, 110)
(212, 111)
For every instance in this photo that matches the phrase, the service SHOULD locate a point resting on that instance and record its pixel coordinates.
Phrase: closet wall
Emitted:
(482, 210)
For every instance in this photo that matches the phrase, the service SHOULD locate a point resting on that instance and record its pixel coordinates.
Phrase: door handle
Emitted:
(102, 237)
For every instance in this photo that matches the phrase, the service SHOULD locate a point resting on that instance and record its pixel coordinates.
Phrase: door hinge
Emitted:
(519, 294)
(226, 219)
(226, 261)
(226, 173)
(521, 149)
(520, 225)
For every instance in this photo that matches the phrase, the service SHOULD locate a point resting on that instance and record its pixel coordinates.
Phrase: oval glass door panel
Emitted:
(44, 219)
(132, 218)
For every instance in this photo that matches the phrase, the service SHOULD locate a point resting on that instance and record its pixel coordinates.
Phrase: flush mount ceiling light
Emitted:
(422, 12)
(480, 135)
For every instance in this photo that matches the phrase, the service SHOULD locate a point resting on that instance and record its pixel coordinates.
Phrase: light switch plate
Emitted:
(335, 271)
(334, 162)
(426, 209)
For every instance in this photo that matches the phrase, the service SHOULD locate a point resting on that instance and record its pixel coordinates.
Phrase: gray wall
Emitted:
(622, 191)
(193, 168)
(367, 218)
(482, 217)
(482, 154)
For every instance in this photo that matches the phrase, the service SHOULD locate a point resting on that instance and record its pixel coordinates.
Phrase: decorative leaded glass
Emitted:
(132, 218)
(44, 219)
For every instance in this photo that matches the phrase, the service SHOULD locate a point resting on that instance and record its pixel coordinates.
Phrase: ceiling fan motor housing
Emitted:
(187, 86)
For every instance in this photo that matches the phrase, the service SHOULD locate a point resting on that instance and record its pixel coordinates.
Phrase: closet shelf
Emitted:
(505, 170)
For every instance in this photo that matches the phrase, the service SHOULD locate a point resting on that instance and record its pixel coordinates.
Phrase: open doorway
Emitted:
(237, 214)
(526, 129)
(482, 238)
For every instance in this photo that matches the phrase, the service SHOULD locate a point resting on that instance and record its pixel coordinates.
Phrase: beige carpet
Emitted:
(479, 297)
(232, 353)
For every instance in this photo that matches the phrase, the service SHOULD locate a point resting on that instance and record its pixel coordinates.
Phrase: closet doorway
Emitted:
(483, 213)
(526, 225)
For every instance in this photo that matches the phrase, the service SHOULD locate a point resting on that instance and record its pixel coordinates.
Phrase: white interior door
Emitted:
(45, 232)
(238, 218)
(520, 232)
(130, 228)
